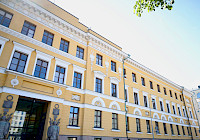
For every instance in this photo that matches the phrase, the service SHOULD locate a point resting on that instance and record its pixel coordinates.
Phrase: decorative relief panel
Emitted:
(76, 97)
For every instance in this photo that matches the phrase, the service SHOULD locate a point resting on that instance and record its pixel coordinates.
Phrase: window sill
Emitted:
(158, 134)
(143, 86)
(166, 134)
(173, 135)
(114, 72)
(149, 133)
(135, 82)
(98, 128)
(139, 132)
(99, 65)
(73, 127)
(152, 89)
(115, 130)
(179, 135)
(129, 132)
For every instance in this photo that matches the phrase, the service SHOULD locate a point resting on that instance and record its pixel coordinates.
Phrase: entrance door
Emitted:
(28, 120)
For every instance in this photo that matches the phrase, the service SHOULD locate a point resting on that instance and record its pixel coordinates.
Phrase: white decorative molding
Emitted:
(107, 65)
(98, 99)
(114, 103)
(156, 116)
(137, 112)
(59, 92)
(100, 129)
(116, 81)
(73, 127)
(170, 119)
(100, 75)
(120, 72)
(79, 70)
(163, 117)
(76, 97)
(3, 40)
(92, 59)
(14, 82)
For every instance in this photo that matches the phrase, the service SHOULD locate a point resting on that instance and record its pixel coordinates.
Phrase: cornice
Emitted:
(42, 45)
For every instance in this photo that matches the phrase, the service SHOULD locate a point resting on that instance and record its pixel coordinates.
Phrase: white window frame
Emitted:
(126, 87)
(135, 90)
(174, 104)
(161, 99)
(2, 42)
(79, 70)
(154, 97)
(168, 102)
(178, 106)
(64, 64)
(114, 80)
(23, 49)
(45, 57)
(100, 75)
(146, 94)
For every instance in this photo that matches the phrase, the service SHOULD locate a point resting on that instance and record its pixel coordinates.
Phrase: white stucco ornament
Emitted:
(14, 82)
(107, 65)
(92, 59)
(59, 92)
(76, 97)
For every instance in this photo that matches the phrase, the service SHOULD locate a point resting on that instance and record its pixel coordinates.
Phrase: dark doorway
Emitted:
(28, 120)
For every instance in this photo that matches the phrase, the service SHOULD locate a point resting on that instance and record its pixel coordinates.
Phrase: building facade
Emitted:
(196, 99)
(49, 60)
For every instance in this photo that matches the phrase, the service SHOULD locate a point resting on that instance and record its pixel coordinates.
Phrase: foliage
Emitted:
(151, 5)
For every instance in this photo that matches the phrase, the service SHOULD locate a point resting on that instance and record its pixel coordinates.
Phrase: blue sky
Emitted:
(167, 42)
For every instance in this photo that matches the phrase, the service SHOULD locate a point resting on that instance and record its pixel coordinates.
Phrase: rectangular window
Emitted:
(114, 121)
(170, 92)
(143, 81)
(127, 118)
(174, 110)
(136, 98)
(124, 73)
(41, 69)
(189, 131)
(145, 101)
(181, 97)
(172, 130)
(64, 45)
(183, 130)
(165, 128)
(98, 87)
(134, 77)
(157, 127)
(5, 18)
(77, 80)
(165, 92)
(184, 112)
(18, 62)
(138, 124)
(161, 106)
(73, 117)
(80, 52)
(47, 38)
(177, 127)
(195, 130)
(97, 119)
(191, 114)
(113, 66)
(71, 138)
(97, 138)
(168, 109)
(28, 29)
(158, 87)
(114, 90)
(126, 96)
(99, 59)
(151, 84)
(176, 96)
(148, 126)
(179, 111)
(59, 75)
(154, 103)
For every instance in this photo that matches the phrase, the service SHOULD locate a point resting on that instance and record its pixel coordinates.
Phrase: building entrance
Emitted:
(28, 120)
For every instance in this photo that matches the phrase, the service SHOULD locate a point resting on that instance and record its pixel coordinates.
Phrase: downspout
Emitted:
(150, 99)
(195, 111)
(125, 98)
(186, 112)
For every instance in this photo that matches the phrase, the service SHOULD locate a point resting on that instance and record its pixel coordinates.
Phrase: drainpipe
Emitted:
(186, 111)
(195, 111)
(125, 98)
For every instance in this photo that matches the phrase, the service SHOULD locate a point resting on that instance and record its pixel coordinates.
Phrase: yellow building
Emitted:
(49, 60)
